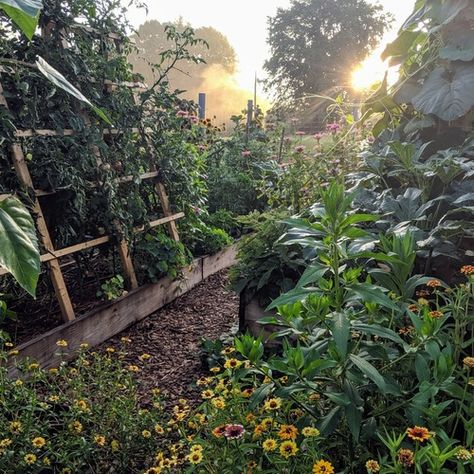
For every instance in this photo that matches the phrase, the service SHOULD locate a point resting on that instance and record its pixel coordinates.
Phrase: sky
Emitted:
(244, 22)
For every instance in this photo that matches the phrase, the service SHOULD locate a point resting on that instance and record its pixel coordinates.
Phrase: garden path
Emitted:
(172, 338)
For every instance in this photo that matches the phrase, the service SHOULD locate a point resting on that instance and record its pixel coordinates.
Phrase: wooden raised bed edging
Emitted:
(105, 322)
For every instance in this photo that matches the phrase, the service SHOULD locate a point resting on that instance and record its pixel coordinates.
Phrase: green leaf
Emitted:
(292, 296)
(60, 81)
(354, 420)
(377, 330)
(373, 294)
(24, 13)
(400, 47)
(341, 330)
(447, 93)
(459, 43)
(371, 372)
(19, 252)
(329, 422)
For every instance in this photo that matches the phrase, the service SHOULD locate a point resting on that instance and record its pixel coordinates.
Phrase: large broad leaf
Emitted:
(398, 49)
(447, 93)
(341, 330)
(60, 81)
(18, 244)
(459, 42)
(24, 13)
(373, 294)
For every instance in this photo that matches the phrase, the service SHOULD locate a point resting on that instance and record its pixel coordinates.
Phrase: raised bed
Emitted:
(107, 321)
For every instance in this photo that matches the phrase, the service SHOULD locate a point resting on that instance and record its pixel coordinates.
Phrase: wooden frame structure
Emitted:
(51, 256)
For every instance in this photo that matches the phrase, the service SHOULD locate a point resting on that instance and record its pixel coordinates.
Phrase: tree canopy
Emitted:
(315, 44)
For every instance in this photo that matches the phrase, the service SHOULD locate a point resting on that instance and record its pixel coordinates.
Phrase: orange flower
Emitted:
(406, 457)
(323, 467)
(419, 433)
(467, 270)
(435, 314)
(433, 283)
(219, 431)
(288, 432)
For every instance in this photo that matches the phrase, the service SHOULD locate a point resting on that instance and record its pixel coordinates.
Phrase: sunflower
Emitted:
(419, 433)
(323, 467)
(288, 449)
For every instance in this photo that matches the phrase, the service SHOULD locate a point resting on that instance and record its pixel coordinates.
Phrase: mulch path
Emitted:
(172, 337)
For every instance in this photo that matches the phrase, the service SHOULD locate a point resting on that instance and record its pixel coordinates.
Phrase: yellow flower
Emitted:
(288, 432)
(250, 418)
(323, 467)
(75, 426)
(5, 442)
(463, 454)
(99, 440)
(81, 405)
(218, 403)
(38, 442)
(196, 448)
(144, 357)
(33, 366)
(46, 461)
(84, 345)
(468, 362)
(114, 445)
(423, 302)
(61, 343)
(207, 394)
(53, 371)
(159, 430)
(125, 340)
(272, 404)
(310, 432)
(228, 350)
(18, 383)
(146, 434)
(155, 391)
(13, 352)
(15, 427)
(73, 371)
(110, 350)
(232, 364)
(195, 457)
(8, 344)
(247, 392)
(215, 370)
(53, 398)
(267, 423)
(153, 470)
(372, 466)
(133, 368)
(269, 444)
(288, 449)
(30, 458)
(419, 433)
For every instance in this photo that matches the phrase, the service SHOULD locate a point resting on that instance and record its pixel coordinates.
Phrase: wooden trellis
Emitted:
(52, 256)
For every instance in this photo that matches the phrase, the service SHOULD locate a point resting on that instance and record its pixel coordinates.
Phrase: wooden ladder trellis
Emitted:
(52, 255)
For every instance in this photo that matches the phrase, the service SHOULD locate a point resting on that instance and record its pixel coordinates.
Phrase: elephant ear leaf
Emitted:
(24, 13)
(19, 252)
(447, 93)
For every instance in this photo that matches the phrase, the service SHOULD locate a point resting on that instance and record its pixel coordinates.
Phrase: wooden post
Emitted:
(249, 118)
(57, 278)
(165, 204)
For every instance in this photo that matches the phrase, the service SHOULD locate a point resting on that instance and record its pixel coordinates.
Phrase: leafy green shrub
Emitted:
(112, 289)
(158, 255)
(208, 240)
(225, 220)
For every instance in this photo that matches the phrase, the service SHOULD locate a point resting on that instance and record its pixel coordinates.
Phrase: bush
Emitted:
(205, 240)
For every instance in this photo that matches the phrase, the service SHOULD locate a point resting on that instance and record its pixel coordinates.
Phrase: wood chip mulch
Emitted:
(172, 337)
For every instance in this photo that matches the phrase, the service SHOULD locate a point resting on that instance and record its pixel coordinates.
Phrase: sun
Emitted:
(369, 72)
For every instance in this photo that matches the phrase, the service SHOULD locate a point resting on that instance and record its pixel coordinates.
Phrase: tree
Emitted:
(151, 41)
(315, 45)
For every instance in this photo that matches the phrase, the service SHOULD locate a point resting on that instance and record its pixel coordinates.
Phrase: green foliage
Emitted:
(202, 239)
(436, 73)
(315, 44)
(24, 13)
(112, 289)
(19, 253)
(157, 255)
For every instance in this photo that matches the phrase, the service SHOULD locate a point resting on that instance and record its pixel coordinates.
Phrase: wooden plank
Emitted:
(52, 255)
(215, 263)
(104, 323)
(172, 228)
(67, 132)
(57, 278)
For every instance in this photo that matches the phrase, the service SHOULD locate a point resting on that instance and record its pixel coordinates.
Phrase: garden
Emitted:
(180, 295)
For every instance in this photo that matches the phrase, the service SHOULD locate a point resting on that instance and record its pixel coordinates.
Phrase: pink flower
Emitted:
(300, 133)
(318, 136)
(193, 119)
(182, 113)
(234, 431)
(246, 153)
(371, 139)
(299, 149)
(197, 210)
(333, 127)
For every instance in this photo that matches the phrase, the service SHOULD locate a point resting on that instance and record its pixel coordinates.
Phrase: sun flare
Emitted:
(368, 73)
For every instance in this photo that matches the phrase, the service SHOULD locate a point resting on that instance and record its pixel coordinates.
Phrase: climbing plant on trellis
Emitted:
(87, 183)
